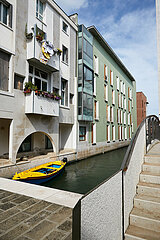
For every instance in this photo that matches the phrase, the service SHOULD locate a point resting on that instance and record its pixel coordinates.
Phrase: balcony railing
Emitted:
(35, 104)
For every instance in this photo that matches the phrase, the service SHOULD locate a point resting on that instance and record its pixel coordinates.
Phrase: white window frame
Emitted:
(109, 133)
(94, 132)
(129, 119)
(97, 110)
(9, 17)
(64, 23)
(111, 78)
(65, 60)
(124, 88)
(124, 117)
(106, 71)
(114, 134)
(38, 14)
(117, 79)
(95, 88)
(108, 117)
(33, 76)
(125, 133)
(64, 91)
(106, 92)
(96, 66)
(125, 103)
(113, 97)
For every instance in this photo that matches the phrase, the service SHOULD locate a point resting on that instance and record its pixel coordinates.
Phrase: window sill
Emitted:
(65, 32)
(6, 93)
(65, 107)
(65, 63)
(41, 21)
(3, 24)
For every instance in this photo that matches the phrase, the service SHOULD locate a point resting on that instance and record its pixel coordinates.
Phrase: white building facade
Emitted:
(38, 54)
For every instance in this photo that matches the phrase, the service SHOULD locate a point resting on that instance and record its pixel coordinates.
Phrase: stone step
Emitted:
(145, 202)
(145, 219)
(149, 189)
(151, 167)
(152, 158)
(137, 233)
(149, 177)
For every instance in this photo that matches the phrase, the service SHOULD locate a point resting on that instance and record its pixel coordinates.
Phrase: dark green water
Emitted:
(84, 175)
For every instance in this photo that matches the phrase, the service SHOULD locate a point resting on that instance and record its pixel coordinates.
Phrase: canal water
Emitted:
(82, 176)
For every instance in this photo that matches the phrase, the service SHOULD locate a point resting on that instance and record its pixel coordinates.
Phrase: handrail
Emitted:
(130, 149)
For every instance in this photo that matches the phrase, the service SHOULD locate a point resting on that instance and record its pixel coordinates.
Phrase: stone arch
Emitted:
(33, 132)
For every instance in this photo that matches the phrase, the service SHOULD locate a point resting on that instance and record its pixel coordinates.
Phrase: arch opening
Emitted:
(35, 144)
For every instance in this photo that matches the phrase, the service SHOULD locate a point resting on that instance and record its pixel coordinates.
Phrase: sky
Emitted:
(129, 27)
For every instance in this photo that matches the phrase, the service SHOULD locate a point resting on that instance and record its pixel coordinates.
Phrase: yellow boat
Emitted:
(41, 173)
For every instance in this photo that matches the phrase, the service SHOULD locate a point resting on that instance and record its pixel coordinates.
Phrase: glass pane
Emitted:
(88, 79)
(4, 14)
(30, 69)
(41, 8)
(37, 72)
(37, 83)
(87, 105)
(62, 100)
(44, 86)
(66, 94)
(30, 79)
(44, 75)
(37, 6)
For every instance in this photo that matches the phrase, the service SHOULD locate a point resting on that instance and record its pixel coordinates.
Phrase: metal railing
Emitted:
(152, 132)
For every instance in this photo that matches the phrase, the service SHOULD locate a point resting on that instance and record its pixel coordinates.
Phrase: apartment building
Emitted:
(38, 91)
(141, 107)
(106, 93)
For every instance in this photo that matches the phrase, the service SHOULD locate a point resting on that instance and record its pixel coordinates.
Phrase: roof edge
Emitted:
(93, 30)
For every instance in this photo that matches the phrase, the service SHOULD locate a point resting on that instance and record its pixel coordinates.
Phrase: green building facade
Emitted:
(113, 97)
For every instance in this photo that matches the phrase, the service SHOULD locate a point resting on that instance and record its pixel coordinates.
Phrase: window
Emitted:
(111, 114)
(125, 103)
(39, 9)
(106, 92)
(113, 97)
(6, 13)
(64, 92)
(26, 144)
(105, 72)
(65, 54)
(121, 101)
(4, 70)
(108, 113)
(18, 82)
(48, 144)
(38, 78)
(96, 110)
(113, 133)
(96, 65)
(65, 27)
(82, 133)
(94, 87)
(124, 89)
(125, 133)
(93, 133)
(124, 117)
(108, 133)
(111, 78)
(121, 83)
(117, 78)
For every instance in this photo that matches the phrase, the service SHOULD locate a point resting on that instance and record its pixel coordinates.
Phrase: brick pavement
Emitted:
(27, 218)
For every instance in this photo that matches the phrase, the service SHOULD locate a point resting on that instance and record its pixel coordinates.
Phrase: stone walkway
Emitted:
(26, 218)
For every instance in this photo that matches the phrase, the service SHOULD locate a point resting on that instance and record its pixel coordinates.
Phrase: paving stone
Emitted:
(21, 199)
(27, 203)
(37, 218)
(69, 237)
(40, 230)
(23, 238)
(13, 221)
(53, 207)
(9, 198)
(54, 236)
(37, 207)
(66, 226)
(6, 206)
(9, 213)
(14, 233)
(60, 215)
(4, 194)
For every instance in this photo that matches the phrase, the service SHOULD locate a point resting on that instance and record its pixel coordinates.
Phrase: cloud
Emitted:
(72, 5)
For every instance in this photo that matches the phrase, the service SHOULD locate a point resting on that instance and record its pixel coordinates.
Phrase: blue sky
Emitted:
(129, 27)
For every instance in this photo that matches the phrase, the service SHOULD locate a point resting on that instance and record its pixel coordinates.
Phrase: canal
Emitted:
(82, 176)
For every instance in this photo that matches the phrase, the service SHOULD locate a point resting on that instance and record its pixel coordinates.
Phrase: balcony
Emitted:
(35, 104)
(35, 54)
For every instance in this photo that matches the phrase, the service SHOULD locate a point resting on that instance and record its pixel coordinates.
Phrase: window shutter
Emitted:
(104, 72)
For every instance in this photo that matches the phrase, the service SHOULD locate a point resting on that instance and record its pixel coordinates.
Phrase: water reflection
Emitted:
(82, 176)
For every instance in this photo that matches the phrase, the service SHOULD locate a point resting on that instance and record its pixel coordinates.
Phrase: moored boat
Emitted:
(41, 173)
